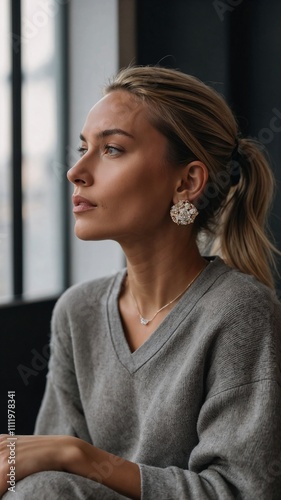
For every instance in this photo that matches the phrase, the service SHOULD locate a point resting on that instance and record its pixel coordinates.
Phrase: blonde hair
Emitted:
(199, 125)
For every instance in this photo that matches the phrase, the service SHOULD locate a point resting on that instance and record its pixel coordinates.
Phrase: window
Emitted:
(32, 192)
(41, 194)
(5, 157)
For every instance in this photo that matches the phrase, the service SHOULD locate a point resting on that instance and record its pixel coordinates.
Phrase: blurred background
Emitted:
(55, 56)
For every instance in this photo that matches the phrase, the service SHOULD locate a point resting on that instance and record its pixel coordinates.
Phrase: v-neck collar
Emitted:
(133, 361)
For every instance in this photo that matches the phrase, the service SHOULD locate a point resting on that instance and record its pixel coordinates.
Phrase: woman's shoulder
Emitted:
(235, 297)
(233, 286)
(89, 293)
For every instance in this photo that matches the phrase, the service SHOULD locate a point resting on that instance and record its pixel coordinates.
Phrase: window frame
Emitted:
(62, 69)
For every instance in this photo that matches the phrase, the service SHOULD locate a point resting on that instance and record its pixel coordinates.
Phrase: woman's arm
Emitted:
(25, 455)
(237, 456)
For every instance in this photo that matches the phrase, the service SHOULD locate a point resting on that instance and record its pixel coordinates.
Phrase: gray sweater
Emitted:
(197, 406)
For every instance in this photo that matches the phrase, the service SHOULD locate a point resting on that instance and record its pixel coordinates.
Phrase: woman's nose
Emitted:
(79, 174)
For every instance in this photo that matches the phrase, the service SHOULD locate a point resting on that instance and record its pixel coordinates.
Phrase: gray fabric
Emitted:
(54, 485)
(198, 405)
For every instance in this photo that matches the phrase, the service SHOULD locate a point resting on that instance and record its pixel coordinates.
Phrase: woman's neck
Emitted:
(158, 273)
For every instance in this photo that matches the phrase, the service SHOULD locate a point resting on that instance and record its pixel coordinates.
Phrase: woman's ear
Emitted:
(192, 182)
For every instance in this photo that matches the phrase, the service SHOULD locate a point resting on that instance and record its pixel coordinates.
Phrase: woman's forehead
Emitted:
(119, 102)
(118, 109)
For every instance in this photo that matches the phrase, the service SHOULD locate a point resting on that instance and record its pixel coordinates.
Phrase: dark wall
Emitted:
(236, 49)
(24, 355)
(184, 34)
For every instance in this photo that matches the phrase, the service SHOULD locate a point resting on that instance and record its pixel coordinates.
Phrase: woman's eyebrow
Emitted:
(107, 132)
(114, 131)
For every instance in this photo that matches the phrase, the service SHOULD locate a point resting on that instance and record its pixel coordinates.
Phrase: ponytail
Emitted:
(243, 239)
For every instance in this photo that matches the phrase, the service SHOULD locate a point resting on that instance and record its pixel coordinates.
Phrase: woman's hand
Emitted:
(21, 456)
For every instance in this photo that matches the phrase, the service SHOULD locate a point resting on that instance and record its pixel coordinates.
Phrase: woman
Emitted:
(164, 380)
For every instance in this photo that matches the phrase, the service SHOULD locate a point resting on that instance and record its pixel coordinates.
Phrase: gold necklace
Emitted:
(145, 321)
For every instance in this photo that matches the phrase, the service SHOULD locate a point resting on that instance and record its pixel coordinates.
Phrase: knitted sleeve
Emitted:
(61, 411)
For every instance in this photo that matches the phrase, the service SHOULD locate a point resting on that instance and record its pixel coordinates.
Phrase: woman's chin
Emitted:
(89, 234)
(83, 233)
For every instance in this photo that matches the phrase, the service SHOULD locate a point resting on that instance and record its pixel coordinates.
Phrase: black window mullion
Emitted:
(63, 121)
(17, 222)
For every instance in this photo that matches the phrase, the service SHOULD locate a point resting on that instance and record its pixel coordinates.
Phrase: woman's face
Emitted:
(123, 186)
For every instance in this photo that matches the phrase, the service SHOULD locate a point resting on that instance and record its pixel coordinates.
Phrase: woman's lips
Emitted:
(81, 204)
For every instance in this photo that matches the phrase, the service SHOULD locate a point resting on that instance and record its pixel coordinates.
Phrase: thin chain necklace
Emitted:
(145, 321)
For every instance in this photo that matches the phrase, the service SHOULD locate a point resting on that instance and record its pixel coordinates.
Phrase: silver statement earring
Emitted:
(183, 213)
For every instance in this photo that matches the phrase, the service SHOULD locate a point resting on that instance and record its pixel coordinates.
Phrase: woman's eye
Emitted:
(112, 150)
(82, 151)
